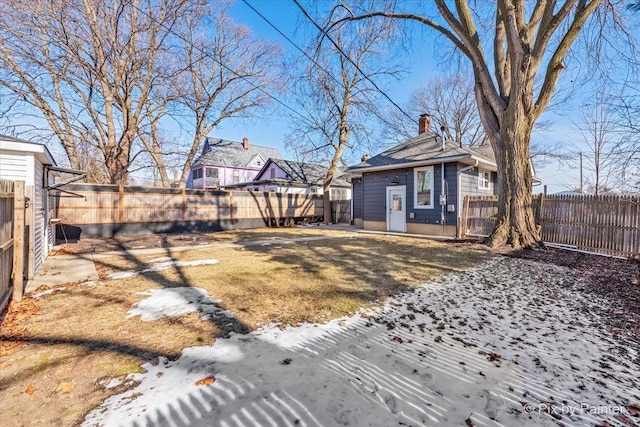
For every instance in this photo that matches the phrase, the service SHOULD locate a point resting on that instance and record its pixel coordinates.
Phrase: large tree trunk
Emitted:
(515, 224)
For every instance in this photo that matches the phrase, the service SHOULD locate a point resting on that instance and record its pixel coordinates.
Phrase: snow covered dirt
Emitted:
(504, 344)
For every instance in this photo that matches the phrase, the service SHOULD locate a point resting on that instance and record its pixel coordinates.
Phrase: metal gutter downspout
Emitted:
(460, 194)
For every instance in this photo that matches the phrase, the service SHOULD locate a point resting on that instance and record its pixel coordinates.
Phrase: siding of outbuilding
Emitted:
(469, 183)
(23, 165)
(40, 247)
(374, 186)
(13, 166)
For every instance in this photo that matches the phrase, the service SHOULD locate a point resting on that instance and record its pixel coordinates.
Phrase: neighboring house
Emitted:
(225, 163)
(32, 163)
(418, 186)
(287, 176)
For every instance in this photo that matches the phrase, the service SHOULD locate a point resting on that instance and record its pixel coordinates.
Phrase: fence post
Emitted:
(18, 240)
(538, 218)
(121, 203)
(463, 222)
(184, 204)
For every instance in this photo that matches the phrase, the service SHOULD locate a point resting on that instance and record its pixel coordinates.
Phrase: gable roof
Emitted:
(222, 152)
(304, 173)
(425, 149)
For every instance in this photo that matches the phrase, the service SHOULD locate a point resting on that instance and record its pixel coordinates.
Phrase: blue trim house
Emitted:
(418, 186)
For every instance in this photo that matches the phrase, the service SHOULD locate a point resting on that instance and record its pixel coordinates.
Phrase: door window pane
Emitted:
(396, 203)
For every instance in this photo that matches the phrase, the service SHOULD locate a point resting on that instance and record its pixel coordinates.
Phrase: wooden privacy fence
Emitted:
(341, 211)
(12, 206)
(144, 209)
(608, 224)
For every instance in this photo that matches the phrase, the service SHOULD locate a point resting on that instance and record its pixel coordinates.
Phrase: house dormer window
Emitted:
(423, 188)
(484, 179)
(273, 173)
(197, 173)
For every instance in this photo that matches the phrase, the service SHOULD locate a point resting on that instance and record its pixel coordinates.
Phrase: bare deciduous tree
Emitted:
(108, 75)
(602, 148)
(335, 96)
(451, 103)
(227, 74)
(528, 43)
(90, 70)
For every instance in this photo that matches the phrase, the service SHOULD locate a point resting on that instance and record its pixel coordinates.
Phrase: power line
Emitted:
(323, 31)
(291, 41)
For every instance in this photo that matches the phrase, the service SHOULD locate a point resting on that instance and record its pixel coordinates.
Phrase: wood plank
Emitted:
(18, 246)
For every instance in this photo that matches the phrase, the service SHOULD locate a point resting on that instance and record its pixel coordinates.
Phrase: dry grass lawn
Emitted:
(58, 353)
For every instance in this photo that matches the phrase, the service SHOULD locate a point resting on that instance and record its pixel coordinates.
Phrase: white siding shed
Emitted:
(26, 161)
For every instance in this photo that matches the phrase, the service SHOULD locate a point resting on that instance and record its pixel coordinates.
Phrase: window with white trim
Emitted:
(236, 176)
(197, 173)
(484, 179)
(212, 172)
(423, 188)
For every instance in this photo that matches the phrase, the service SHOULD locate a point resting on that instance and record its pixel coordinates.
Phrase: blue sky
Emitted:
(420, 63)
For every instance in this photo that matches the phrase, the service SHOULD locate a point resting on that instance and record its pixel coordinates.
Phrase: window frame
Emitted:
(484, 183)
(212, 169)
(416, 171)
(198, 170)
(236, 176)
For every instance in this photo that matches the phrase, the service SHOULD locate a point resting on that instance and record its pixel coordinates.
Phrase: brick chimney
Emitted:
(245, 143)
(424, 123)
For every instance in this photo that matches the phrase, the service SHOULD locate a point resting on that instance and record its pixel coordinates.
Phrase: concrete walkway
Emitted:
(60, 269)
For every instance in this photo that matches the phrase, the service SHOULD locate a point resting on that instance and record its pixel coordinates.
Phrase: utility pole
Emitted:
(581, 189)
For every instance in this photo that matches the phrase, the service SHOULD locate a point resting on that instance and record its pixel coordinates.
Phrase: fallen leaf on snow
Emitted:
(30, 389)
(206, 381)
(64, 388)
(624, 420)
(469, 422)
(286, 362)
(397, 339)
(633, 409)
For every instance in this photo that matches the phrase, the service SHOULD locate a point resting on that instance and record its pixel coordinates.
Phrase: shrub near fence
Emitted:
(608, 224)
(107, 210)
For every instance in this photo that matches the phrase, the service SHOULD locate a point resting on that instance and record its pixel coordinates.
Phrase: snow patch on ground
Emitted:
(484, 345)
(176, 302)
(159, 266)
(47, 292)
(161, 259)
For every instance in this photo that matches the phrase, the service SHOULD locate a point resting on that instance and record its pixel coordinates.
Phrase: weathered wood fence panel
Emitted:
(6, 240)
(608, 224)
(112, 204)
(341, 211)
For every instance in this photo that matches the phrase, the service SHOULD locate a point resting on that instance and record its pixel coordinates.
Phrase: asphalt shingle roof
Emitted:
(231, 153)
(426, 146)
(309, 173)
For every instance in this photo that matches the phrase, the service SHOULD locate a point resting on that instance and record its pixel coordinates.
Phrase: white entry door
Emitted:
(396, 209)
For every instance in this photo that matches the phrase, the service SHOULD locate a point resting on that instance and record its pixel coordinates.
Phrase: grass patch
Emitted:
(82, 335)
(289, 282)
